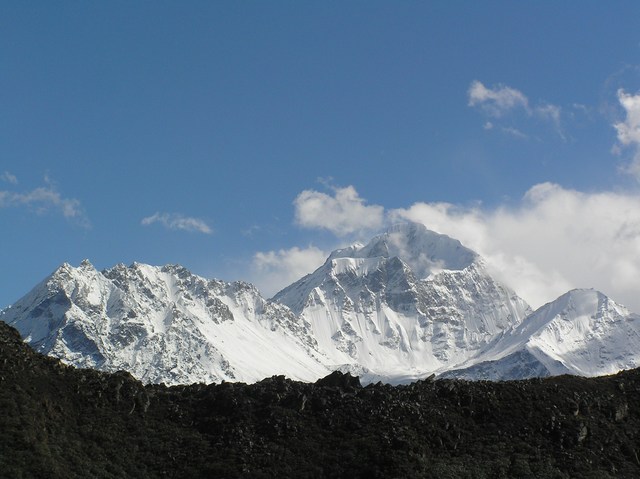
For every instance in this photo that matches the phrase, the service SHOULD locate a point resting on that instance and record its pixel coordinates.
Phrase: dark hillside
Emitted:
(61, 422)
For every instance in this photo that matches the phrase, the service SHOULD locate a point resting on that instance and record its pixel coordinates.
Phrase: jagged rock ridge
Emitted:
(408, 304)
(583, 332)
(164, 325)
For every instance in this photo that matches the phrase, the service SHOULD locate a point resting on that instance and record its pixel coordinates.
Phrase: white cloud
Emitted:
(497, 101)
(176, 221)
(551, 113)
(629, 129)
(9, 178)
(342, 214)
(273, 270)
(44, 199)
(515, 132)
(555, 240)
(503, 102)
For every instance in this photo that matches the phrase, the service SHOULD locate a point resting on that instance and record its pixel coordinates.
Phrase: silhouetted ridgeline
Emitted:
(60, 422)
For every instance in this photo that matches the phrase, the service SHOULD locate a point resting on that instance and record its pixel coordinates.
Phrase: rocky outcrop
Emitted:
(62, 422)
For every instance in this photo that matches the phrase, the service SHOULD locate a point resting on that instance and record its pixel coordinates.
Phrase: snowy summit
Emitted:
(408, 304)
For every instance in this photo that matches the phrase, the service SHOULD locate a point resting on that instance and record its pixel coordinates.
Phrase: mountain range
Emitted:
(408, 304)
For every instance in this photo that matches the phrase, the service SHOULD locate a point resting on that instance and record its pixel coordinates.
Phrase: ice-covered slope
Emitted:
(408, 303)
(164, 325)
(582, 332)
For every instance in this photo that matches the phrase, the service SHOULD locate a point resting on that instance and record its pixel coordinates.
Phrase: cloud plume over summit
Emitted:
(555, 239)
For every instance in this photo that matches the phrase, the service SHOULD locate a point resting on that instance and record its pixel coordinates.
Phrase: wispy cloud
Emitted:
(514, 132)
(44, 199)
(343, 213)
(9, 178)
(551, 113)
(177, 221)
(503, 103)
(498, 100)
(629, 129)
(273, 270)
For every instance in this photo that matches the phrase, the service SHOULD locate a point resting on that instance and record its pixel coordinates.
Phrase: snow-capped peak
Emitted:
(409, 303)
(425, 251)
(582, 332)
(164, 324)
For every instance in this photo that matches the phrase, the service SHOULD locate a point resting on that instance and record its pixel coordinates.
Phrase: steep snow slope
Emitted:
(582, 332)
(407, 304)
(164, 325)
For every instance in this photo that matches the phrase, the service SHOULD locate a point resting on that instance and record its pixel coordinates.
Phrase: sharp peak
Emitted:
(408, 226)
(164, 267)
(603, 298)
(409, 229)
(175, 269)
(85, 264)
(576, 297)
(582, 292)
(405, 227)
(422, 249)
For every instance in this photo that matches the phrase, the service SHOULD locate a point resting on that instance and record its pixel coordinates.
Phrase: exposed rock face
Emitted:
(409, 303)
(582, 332)
(164, 325)
(62, 422)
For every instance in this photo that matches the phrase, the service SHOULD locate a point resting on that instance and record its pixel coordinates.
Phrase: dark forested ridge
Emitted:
(61, 422)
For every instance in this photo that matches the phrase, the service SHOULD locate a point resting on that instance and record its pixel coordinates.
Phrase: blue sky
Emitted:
(245, 140)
